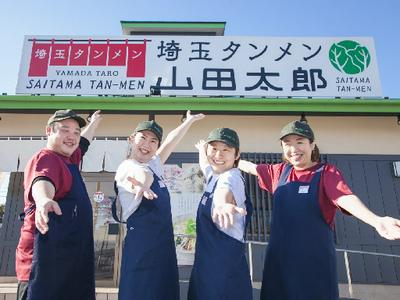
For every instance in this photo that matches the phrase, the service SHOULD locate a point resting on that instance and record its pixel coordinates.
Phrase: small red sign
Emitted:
(39, 59)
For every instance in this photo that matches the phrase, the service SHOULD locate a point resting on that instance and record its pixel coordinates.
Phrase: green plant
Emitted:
(190, 227)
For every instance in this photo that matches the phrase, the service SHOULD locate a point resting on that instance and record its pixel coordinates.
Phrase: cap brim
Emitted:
(153, 131)
(223, 141)
(80, 120)
(302, 135)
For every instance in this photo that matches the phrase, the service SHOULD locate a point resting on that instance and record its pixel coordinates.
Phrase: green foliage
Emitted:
(190, 227)
(349, 57)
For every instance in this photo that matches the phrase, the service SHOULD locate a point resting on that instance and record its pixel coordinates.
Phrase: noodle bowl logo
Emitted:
(349, 57)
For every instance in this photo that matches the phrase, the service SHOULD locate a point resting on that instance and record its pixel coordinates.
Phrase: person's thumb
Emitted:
(56, 208)
(139, 193)
(240, 210)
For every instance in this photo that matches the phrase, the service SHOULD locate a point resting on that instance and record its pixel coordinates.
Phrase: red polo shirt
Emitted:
(331, 187)
(50, 166)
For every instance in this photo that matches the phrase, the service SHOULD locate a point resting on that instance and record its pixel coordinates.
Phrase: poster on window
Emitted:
(185, 185)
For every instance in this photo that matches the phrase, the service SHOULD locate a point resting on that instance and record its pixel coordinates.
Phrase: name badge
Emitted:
(204, 200)
(303, 189)
(161, 183)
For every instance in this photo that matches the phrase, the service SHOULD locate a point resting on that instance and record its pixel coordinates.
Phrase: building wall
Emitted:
(339, 135)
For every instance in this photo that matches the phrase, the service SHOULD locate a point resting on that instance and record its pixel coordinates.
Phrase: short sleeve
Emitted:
(84, 145)
(126, 194)
(156, 166)
(121, 176)
(232, 180)
(264, 173)
(76, 157)
(48, 165)
(126, 169)
(334, 184)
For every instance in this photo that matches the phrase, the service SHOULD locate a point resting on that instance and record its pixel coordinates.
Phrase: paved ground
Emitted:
(370, 292)
(360, 292)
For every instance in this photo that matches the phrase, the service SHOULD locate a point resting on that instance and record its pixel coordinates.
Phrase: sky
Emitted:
(278, 18)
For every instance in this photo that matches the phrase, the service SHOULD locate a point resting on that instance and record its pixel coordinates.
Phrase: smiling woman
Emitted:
(220, 269)
(149, 266)
(306, 196)
(298, 146)
(145, 141)
(221, 157)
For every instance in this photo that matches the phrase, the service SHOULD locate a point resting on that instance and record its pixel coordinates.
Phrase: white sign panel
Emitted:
(196, 65)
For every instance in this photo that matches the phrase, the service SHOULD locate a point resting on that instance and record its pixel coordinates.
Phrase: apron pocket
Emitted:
(68, 237)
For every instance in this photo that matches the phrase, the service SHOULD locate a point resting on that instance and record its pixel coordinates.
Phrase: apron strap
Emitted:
(248, 204)
(114, 205)
(286, 171)
(285, 174)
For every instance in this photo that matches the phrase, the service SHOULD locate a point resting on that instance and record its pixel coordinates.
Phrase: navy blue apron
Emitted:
(149, 268)
(220, 269)
(300, 262)
(63, 258)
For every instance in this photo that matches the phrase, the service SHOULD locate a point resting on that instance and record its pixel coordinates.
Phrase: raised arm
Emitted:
(387, 227)
(248, 167)
(202, 147)
(89, 130)
(176, 135)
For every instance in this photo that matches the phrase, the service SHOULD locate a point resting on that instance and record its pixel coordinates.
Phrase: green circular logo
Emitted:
(349, 57)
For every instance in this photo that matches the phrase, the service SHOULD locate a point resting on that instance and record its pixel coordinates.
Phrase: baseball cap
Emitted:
(298, 128)
(225, 135)
(65, 114)
(151, 126)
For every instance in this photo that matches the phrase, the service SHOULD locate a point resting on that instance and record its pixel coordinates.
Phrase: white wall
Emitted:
(338, 135)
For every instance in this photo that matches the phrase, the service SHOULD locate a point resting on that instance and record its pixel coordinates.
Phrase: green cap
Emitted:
(298, 128)
(151, 126)
(65, 114)
(225, 135)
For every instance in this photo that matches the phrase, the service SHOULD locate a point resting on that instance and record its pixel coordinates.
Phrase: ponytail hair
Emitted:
(236, 163)
(315, 155)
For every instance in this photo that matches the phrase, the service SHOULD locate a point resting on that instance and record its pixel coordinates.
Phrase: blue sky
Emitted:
(319, 18)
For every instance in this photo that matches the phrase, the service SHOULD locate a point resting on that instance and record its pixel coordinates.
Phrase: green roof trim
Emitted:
(226, 105)
(133, 24)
